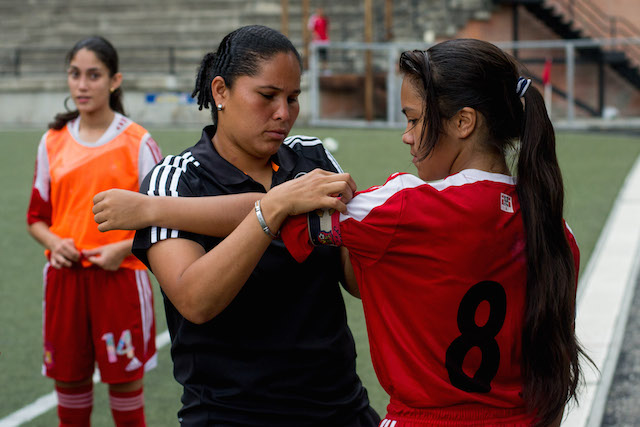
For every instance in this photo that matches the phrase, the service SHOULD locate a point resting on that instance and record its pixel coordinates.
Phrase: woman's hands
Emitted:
(184, 270)
(318, 189)
(118, 209)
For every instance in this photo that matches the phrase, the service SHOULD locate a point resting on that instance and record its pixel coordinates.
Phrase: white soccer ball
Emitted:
(330, 144)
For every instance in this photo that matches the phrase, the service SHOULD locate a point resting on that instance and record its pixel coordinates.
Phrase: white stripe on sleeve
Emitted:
(42, 180)
(310, 141)
(153, 181)
(146, 306)
(361, 205)
(161, 184)
(149, 155)
(333, 161)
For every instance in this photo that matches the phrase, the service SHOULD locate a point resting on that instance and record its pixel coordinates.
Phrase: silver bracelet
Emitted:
(263, 223)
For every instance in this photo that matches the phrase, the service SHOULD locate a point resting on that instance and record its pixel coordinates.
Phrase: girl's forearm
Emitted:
(213, 216)
(41, 233)
(218, 216)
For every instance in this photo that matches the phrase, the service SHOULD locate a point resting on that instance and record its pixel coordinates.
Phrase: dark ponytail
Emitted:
(115, 101)
(550, 350)
(472, 73)
(239, 54)
(107, 54)
(61, 119)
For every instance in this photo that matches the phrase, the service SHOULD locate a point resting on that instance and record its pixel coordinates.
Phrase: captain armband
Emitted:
(324, 227)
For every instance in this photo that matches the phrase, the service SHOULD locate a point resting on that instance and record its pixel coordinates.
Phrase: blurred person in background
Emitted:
(319, 26)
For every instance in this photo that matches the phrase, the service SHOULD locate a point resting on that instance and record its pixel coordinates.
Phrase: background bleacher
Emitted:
(170, 36)
(161, 43)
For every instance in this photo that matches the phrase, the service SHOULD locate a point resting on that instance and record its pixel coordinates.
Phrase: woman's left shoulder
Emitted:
(311, 148)
(302, 143)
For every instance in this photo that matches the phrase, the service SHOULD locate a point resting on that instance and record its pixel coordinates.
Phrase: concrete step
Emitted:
(143, 30)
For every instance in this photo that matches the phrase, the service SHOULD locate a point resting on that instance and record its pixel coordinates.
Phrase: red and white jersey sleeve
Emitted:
(40, 203)
(370, 238)
(148, 157)
(441, 269)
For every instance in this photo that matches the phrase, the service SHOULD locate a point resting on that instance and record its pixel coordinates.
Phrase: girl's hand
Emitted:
(64, 253)
(118, 209)
(109, 257)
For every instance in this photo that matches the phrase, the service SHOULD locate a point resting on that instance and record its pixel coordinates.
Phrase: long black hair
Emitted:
(473, 73)
(239, 54)
(107, 54)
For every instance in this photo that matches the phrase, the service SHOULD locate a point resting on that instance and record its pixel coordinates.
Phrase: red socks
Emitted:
(74, 405)
(127, 408)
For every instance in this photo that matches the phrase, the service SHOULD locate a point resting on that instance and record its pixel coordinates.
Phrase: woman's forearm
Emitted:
(41, 233)
(200, 285)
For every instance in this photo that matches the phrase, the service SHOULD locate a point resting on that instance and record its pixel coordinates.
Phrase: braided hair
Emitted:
(107, 54)
(239, 54)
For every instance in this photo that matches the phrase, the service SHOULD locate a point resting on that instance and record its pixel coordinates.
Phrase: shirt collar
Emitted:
(227, 173)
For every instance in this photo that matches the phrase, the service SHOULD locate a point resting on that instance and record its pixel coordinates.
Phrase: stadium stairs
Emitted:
(583, 19)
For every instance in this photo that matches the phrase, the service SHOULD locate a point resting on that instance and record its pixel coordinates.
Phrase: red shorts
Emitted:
(93, 315)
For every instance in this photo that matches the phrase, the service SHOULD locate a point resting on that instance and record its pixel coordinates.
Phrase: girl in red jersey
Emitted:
(98, 302)
(467, 274)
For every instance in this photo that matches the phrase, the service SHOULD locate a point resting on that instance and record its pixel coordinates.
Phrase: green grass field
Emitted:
(594, 167)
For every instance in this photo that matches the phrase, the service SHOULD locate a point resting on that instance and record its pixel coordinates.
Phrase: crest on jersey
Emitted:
(506, 203)
(48, 355)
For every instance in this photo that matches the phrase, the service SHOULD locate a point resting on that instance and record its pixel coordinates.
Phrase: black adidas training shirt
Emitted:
(281, 353)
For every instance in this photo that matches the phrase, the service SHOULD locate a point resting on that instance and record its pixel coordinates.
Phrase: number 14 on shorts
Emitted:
(125, 347)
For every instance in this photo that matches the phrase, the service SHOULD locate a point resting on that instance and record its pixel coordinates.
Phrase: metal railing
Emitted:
(596, 24)
(38, 60)
(393, 50)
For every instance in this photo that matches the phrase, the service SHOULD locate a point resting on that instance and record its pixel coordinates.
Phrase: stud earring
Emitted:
(112, 90)
(220, 107)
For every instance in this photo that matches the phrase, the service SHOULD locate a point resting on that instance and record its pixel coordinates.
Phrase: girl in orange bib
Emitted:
(98, 302)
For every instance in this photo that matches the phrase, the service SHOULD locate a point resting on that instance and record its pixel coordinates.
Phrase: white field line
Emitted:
(49, 401)
(604, 298)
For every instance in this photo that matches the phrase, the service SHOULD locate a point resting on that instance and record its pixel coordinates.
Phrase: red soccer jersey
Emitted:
(441, 269)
